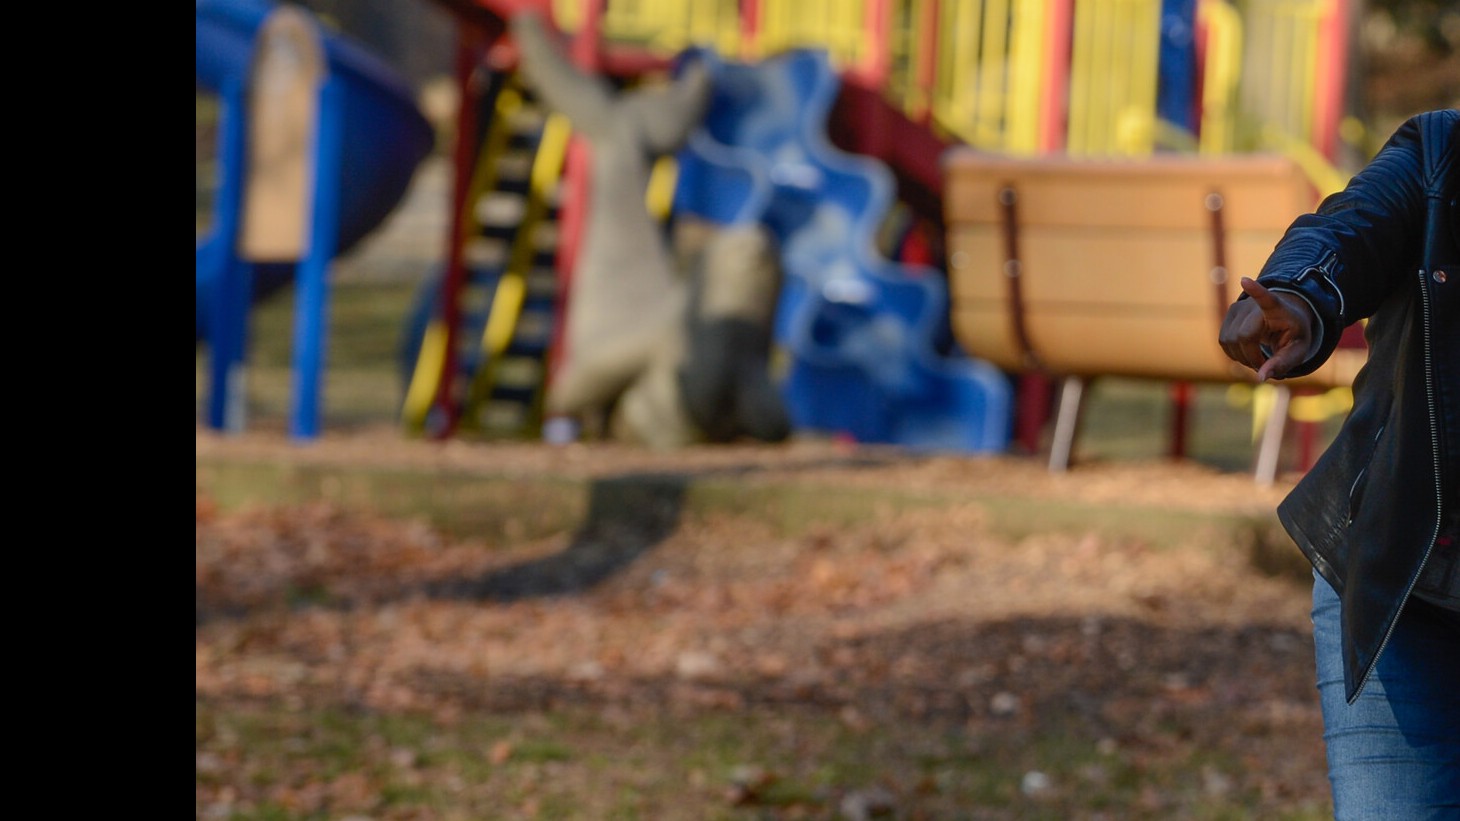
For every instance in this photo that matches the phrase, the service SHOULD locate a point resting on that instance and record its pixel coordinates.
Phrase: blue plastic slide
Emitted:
(385, 137)
(858, 328)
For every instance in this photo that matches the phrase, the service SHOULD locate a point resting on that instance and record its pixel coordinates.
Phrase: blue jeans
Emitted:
(1394, 755)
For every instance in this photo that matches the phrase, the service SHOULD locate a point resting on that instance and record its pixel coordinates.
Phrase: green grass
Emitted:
(364, 381)
(499, 511)
(1123, 419)
(573, 763)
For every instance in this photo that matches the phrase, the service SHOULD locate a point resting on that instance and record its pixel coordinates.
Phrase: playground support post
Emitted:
(472, 47)
(256, 110)
(311, 308)
(229, 310)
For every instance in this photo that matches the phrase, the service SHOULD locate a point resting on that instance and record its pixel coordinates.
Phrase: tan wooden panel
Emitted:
(1117, 260)
(1113, 344)
(1131, 344)
(1163, 191)
(285, 76)
(1114, 267)
(976, 262)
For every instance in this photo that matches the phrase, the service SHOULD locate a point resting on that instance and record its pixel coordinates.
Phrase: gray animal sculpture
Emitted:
(672, 343)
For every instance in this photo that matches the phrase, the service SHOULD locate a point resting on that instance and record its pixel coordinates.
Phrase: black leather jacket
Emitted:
(1369, 513)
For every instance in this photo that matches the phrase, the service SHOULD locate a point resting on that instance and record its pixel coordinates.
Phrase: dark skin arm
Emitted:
(1280, 321)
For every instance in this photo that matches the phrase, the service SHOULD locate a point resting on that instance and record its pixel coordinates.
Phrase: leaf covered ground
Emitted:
(657, 660)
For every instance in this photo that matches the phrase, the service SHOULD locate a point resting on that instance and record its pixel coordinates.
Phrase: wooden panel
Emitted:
(287, 71)
(1087, 266)
(1260, 191)
(1117, 260)
(1114, 345)
(1159, 346)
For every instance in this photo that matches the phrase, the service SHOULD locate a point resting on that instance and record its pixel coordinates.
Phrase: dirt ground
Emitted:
(1179, 673)
(1179, 484)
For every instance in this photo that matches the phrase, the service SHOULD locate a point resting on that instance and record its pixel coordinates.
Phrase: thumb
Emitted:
(1261, 295)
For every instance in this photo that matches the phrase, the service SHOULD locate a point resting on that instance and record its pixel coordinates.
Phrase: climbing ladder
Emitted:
(518, 217)
(509, 249)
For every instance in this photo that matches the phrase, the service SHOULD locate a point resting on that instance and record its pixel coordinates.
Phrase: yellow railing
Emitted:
(839, 26)
(1279, 66)
(665, 26)
(909, 67)
(1113, 72)
(1220, 72)
(1278, 101)
(988, 80)
(989, 76)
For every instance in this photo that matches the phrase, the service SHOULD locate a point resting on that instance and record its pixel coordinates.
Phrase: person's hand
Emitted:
(1280, 323)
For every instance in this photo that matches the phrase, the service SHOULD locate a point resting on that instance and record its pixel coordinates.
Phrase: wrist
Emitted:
(1298, 305)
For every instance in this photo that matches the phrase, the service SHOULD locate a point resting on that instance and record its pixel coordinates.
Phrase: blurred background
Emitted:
(1398, 57)
(410, 608)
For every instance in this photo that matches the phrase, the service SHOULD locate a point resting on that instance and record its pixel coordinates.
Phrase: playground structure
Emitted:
(317, 143)
(892, 85)
(908, 80)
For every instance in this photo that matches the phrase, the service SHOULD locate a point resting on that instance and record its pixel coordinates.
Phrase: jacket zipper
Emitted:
(1425, 322)
(1324, 268)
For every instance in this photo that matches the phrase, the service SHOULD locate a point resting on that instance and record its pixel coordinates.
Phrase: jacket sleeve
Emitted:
(1362, 242)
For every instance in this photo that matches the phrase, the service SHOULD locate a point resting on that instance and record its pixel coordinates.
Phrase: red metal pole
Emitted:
(925, 57)
(441, 421)
(1181, 394)
(1053, 115)
(1330, 76)
(876, 63)
(1033, 397)
(749, 29)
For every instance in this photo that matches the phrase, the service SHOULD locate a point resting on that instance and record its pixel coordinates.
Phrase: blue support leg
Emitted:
(231, 292)
(311, 308)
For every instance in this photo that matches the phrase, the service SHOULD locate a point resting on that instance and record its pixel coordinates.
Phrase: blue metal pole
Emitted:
(311, 307)
(231, 293)
(1177, 100)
